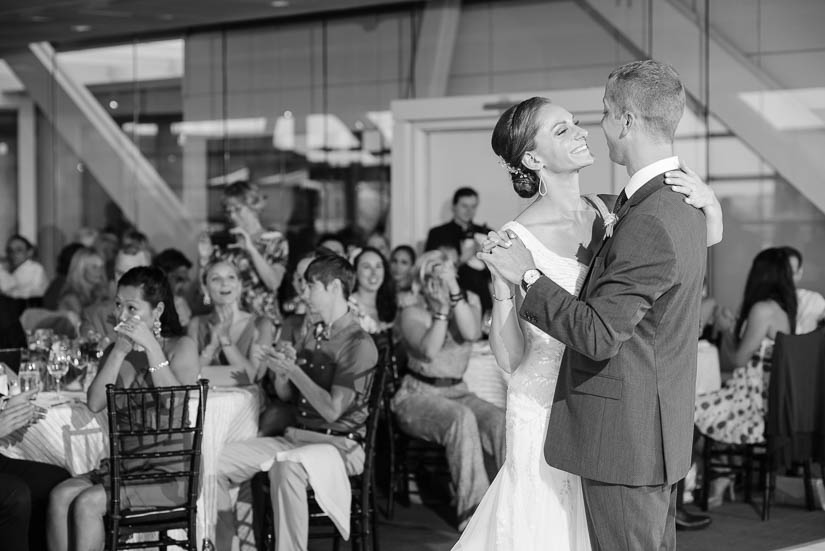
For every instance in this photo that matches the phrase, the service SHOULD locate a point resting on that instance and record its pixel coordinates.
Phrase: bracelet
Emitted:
(440, 316)
(505, 299)
(455, 297)
(161, 365)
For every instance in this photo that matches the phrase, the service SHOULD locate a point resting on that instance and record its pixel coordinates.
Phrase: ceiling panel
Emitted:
(69, 22)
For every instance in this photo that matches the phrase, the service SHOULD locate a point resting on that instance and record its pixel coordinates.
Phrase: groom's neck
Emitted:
(646, 154)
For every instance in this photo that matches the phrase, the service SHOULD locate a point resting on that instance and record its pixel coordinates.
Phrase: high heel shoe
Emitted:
(718, 486)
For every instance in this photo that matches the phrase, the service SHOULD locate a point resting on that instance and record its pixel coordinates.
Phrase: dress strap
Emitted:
(598, 203)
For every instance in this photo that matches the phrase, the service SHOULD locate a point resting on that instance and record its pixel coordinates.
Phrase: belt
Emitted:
(435, 381)
(354, 436)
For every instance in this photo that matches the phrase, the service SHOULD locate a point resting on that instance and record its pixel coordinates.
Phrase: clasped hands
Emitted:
(506, 256)
(282, 359)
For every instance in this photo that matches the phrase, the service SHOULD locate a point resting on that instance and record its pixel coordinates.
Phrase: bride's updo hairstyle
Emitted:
(513, 136)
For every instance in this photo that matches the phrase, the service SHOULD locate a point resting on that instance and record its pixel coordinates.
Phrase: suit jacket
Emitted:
(452, 234)
(623, 408)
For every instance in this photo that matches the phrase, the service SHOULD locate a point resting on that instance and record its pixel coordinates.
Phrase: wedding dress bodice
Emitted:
(535, 377)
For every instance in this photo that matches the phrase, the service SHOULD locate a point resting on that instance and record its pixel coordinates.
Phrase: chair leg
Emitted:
(749, 473)
(767, 480)
(809, 486)
(706, 472)
(392, 482)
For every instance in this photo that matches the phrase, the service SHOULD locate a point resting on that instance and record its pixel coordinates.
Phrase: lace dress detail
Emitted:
(531, 505)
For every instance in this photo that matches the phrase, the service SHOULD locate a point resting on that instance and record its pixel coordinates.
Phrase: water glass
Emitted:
(29, 377)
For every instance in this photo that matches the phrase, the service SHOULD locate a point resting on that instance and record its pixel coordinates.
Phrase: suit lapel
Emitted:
(641, 194)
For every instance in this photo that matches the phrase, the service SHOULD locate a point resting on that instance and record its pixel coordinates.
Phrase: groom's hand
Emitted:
(509, 257)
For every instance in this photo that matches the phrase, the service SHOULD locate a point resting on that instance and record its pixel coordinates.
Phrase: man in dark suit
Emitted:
(461, 227)
(622, 416)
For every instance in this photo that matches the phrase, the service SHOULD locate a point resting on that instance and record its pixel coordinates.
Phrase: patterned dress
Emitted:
(256, 297)
(735, 414)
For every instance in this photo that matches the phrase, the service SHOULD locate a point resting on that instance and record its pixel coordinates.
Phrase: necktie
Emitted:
(620, 201)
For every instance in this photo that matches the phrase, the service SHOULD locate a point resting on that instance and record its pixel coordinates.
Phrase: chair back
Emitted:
(153, 439)
(795, 419)
(374, 402)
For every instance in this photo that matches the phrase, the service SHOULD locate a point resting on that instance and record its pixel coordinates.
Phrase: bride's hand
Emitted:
(494, 239)
(685, 181)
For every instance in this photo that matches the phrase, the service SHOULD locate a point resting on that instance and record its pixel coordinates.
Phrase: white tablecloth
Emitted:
(708, 375)
(77, 439)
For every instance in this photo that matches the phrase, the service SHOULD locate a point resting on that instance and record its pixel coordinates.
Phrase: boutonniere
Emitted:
(610, 220)
(321, 331)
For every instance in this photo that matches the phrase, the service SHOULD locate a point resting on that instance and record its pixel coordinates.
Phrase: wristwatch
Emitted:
(530, 277)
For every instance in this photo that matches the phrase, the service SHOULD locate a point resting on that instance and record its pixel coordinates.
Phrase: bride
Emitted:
(530, 505)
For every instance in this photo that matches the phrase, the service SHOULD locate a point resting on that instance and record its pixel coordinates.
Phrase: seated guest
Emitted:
(176, 267)
(735, 414)
(228, 337)
(279, 414)
(402, 261)
(133, 241)
(25, 277)
(100, 318)
(293, 329)
(24, 486)
(433, 402)
(333, 243)
(810, 304)
(379, 242)
(52, 295)
(373, 300)
(150, 351)
(328, 375)
(86, 283)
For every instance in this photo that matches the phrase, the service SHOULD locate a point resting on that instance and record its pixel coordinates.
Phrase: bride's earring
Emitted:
(542, 186)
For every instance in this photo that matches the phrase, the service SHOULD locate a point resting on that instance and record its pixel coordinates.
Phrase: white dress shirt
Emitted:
(645, 174)
(27, 281)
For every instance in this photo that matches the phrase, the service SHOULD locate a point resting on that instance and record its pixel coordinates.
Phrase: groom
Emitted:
(622, 416)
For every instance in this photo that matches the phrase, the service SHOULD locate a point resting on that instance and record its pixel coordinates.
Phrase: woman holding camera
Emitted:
(433, 402)
(259, 253)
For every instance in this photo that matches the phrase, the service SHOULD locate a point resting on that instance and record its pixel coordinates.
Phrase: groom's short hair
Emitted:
(652, 91)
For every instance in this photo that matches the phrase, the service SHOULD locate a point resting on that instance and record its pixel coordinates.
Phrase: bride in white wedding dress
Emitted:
(531, 505)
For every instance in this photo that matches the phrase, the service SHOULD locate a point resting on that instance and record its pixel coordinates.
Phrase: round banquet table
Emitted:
(73, 437)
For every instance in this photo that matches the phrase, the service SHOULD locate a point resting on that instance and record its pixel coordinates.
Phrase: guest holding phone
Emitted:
(260, 253)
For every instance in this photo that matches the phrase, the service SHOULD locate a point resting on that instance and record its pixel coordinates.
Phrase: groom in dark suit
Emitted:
(622, 417)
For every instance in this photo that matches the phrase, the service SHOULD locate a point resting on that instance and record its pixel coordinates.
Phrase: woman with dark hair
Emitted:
(260, 253)
(735, 414)
(402, 261)
(373, 300)
(150, 350)
(531, 505)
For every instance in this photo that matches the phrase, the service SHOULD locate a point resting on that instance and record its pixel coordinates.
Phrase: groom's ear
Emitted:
(628, 122)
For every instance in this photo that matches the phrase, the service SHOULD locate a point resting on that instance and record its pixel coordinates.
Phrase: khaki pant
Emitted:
(240, 461)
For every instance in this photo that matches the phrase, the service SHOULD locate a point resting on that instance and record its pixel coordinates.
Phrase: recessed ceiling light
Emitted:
(166, 17)
(81, 28)
(39, 19)
(113, 104)
(279, 3)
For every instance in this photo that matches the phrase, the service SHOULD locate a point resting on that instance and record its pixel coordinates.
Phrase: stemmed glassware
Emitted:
(61, 358)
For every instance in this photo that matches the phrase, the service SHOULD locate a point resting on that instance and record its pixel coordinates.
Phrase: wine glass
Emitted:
(60, 360)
